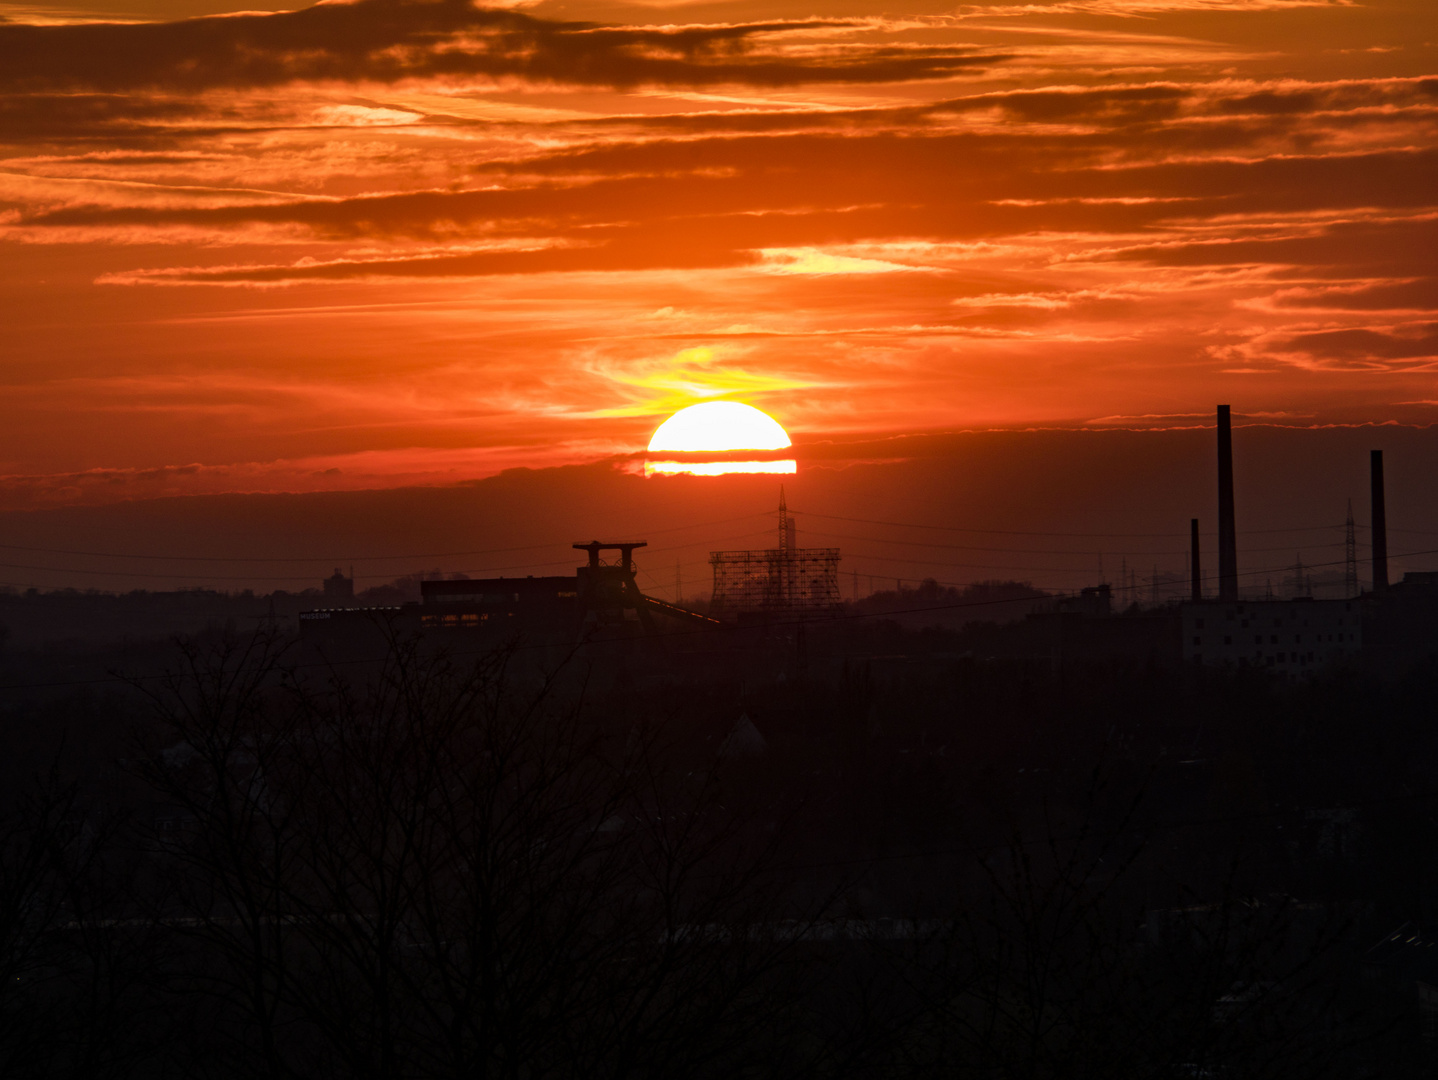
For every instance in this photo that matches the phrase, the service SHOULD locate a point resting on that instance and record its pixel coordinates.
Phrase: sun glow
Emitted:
(719, 428)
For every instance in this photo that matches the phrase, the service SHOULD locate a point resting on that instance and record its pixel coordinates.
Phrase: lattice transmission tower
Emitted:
(782, 581)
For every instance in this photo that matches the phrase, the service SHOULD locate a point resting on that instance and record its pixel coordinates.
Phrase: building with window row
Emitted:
(1290, 637)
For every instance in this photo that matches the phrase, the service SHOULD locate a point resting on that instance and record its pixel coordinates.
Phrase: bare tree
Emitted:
(1052, 967)
(75, 992)
(414, 871)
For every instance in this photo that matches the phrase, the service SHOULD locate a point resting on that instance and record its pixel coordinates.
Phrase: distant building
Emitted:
(743, 740)
(1289, 637)
(1416, 582)
(494, 601)
(1084, 628)
(600, 598)
(1403, 622)
(338, 588)
(1095, 601)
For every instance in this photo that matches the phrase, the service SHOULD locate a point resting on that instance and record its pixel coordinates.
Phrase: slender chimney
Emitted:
(1380, 523)
(1197, 573)
(1227, 532)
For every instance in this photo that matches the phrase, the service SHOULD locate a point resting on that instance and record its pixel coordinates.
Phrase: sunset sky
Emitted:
(384, 241)
(379, 243)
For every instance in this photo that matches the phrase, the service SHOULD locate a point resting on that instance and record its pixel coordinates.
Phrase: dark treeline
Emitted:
(909, 862)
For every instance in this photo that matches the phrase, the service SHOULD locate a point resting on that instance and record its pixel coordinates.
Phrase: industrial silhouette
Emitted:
(774, 590)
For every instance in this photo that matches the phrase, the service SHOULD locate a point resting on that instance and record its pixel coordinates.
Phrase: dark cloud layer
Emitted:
(954, 186)
(1421, 342)
(390, 40)
(25, 117)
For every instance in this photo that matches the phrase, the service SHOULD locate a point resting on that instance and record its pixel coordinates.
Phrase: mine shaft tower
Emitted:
(607, 592)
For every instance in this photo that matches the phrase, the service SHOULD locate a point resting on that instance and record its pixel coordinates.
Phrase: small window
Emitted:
(1228, 641)
(1198, 624)
(1198, 641)
(1273, 639)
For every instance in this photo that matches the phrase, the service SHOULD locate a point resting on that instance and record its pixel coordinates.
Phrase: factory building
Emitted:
(1289, 637)
(601, 600)
(491, 603)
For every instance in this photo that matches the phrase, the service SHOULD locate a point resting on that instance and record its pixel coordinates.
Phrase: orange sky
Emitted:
(385, 242)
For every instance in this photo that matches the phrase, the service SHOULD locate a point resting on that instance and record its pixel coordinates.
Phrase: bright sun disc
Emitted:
(719, 426)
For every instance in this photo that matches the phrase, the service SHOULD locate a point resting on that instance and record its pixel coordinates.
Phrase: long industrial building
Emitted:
(602, 599)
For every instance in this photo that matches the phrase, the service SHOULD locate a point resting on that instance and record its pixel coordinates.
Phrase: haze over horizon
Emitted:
(1060, 509)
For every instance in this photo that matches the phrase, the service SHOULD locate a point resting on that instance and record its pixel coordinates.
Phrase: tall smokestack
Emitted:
(1380, 523)
(1227, 532)
(1197, 573)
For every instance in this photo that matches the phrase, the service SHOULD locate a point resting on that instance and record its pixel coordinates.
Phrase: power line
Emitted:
(871, 557)
(972, 547)
(336, 558)
(1086, 536)
(340, 559)
(150, 575)
(1035, 551)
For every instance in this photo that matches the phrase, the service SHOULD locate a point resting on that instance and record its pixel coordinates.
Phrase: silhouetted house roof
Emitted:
(743, 740)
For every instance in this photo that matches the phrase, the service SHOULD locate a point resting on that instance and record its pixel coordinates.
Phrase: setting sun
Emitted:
(718, 427)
